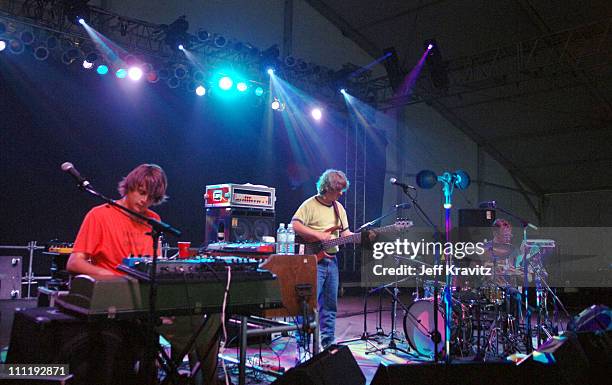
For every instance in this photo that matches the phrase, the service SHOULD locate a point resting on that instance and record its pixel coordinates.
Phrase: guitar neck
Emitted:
(353, 238)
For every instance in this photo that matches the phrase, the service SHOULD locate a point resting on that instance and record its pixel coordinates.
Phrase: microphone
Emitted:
(403, 206)
(69, 168)
(400, 184)
(492, 205)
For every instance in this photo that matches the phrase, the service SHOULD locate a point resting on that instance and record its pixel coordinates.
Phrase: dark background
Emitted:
(51, 113)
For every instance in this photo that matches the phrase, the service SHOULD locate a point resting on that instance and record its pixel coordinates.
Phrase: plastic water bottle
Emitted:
(281, 239)
(290, 239)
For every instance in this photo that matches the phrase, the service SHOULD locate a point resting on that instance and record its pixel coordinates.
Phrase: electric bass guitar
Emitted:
(316, 247)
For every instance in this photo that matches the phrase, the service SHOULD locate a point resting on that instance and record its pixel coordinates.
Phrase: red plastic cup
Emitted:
(183, 250)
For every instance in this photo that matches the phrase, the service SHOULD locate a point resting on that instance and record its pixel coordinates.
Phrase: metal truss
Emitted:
(145, 41)
(585, 48)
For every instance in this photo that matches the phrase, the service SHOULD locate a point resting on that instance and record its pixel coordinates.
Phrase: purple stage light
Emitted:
(2, 45)
(430, 46)
(316, 113)
(135, 73)
(87, 65)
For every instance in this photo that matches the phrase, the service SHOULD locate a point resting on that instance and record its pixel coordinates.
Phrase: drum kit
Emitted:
(488, 320)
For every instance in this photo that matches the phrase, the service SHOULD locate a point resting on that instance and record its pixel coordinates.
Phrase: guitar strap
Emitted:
(338, 216)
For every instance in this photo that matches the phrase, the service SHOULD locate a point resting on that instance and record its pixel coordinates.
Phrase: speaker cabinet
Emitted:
(8, 307)
(463, 373)
(333, 366)
(238, 224)
(98, 353)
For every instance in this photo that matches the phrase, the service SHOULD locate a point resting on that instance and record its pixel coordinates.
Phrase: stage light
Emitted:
(259, 91)
(16, 46)
(91, 57)
(203, 35)
(176, 33)
(241, 86)
(225, 83)
(220, 41)
(135, 73)
(41, 53)
(121, 73)
(180, 71)
(198, 76)
(316, 113)
(430, 46)
(181, 47)
(2, 45)
(52, 42)
(27, 37)
(102, 69)
(290, 61)
(200, 91)
(76, 11)
(270, 71)
(277, 105)
(173, 82)
(152, 76)
(163, 73)
(343, 90)
(87, 65)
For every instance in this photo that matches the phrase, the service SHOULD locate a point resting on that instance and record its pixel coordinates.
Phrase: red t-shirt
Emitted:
(108, 235)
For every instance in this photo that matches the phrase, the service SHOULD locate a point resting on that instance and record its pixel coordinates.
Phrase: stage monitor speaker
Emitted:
(102, 352)
(333, 366)
(8, 307)
(238, 224)
(580, 358)
(463, 373)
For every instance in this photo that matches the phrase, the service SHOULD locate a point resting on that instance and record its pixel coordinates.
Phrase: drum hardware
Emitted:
(394, 302)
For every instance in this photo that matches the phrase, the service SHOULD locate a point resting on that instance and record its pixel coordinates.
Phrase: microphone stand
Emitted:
(157, 229)
(365, 336)
(525, 224)
(436, 337)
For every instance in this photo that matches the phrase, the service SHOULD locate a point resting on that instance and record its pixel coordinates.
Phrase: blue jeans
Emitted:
(327, 296)
(327, 293)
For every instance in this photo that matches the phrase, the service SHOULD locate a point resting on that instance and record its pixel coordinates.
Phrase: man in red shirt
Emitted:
(109, 234)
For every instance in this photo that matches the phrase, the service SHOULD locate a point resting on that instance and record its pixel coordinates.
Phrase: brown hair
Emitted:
(151, 177)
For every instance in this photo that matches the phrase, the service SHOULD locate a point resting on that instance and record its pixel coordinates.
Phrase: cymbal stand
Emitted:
(394, 302)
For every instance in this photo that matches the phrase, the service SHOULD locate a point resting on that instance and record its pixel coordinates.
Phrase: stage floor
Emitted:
(349, 325)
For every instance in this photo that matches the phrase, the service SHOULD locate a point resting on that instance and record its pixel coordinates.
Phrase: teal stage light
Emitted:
(225, 83)
(121, 73)
(241, 86)
(259, 91)
(102, 70)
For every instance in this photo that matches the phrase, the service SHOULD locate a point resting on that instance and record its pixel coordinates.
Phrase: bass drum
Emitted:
(419, 323)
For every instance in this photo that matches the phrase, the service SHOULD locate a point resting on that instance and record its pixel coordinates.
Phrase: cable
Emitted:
(222, 345)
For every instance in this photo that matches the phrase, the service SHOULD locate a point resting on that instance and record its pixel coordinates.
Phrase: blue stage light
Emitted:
(270, 71)
(2, 45)
(102, 70)
(200, 90)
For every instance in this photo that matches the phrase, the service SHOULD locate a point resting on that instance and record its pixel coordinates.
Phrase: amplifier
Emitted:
(240, 195)
(10, 277)
(238, 224)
